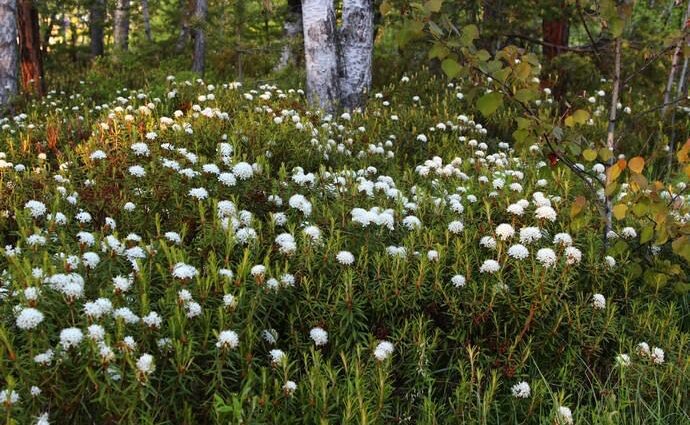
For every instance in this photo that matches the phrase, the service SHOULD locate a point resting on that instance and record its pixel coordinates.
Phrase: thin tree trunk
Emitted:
(47, 32)
(681, 93)
(200, 12)
(610, 133)
(30, 48)
(8, 51)
(96, 20)
(492, 18)
(357, 44)
(239, 25)
(555, 35)
(64, 26)
(147, 19)
(321, 53)
(677, 53)
(185, 7)
(121, 24)
(292, 28)
(73, 41)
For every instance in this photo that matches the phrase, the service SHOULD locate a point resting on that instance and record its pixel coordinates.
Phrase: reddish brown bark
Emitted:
(555, 36)
(31, 60)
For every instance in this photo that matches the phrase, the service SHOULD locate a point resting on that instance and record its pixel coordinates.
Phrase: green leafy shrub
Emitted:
(213, 253)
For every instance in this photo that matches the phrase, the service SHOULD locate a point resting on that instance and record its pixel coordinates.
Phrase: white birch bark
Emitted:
(674, 64)
(357, 44)
(611, 130)
(121, 24)
(9, 54)
(321, 53)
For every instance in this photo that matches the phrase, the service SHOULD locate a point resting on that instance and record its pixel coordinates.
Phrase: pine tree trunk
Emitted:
(147, 19)
(8, 51)
(555, 35)
(357, 44)
(31, 61)
(121, 24)
(321, 53)
(96, 20)
(200, 12)
(292, 28)
(555, 28)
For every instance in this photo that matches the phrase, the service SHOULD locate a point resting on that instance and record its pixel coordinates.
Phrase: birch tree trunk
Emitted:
(200, 12)
(8, 51)
(674, 64)
(321, 53)
(121, 24)
(31, 60)
(96, 20)
(146, 17)
(610, 133)
(292, 28)
(357, 44)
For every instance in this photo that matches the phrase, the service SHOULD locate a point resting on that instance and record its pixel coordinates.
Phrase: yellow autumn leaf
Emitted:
(636, 164)
(619, 211)
(578, 205)
(589, 154)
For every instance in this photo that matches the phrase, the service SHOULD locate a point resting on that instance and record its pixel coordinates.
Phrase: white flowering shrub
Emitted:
(246, 257)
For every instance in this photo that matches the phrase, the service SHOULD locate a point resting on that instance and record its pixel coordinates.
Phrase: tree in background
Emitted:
(200, 12)
(8, 51)
(146, 17)
(185, 9)
(338, 63)
(31, 59)
(121, 24)
(357, 41)
(292, 28)
(555, 30)
(321, 52)
(96, 22)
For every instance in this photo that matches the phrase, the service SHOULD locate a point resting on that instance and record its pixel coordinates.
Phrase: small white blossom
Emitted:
(319, 336)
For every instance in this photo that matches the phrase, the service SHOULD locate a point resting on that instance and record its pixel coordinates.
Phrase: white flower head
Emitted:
(565, 415)
(383, 350)
(29, 318)
(228, 340)
(504, 231)
(521, 390)
(489, 266)
(598, 301)
(345, 258)
(319, 336)
(547, 257)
